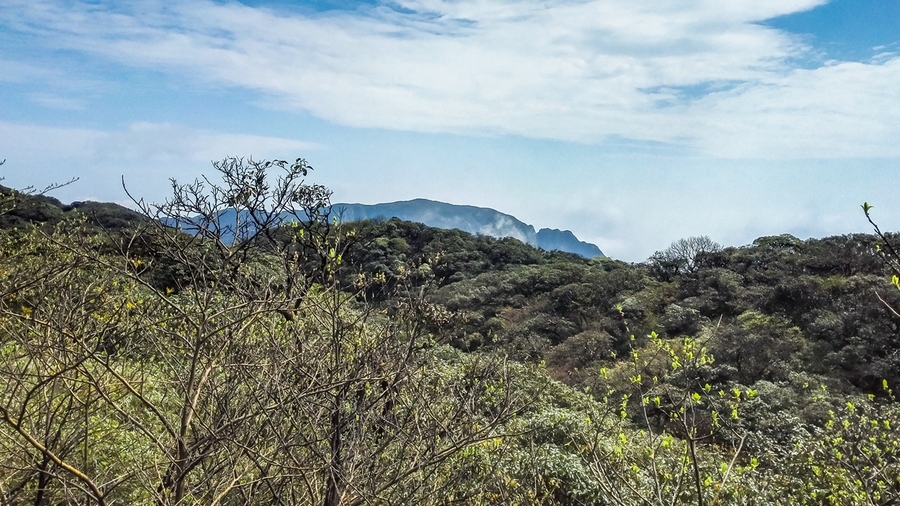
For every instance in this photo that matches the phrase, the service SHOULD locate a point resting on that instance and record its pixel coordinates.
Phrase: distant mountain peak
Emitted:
(472, 219)
(564, 240)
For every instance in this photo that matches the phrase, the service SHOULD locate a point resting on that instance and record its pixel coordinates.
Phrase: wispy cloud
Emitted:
(148, 154)
(641, 211)
(144, 141)
(22, 72)
(56, 102)
(169, 142)
(705, 75)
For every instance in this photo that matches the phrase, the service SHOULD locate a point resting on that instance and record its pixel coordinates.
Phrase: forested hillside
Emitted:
(386, 362)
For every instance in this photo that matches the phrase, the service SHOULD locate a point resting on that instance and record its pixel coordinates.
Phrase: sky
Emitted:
(633, 124)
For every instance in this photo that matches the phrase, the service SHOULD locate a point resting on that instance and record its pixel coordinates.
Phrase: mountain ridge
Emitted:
(468, 218)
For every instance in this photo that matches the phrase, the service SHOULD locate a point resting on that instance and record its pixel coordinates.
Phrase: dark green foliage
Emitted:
(506, 294)
(821, 294)
(454, 255)
(40, 210)
(24, 210)
(747, 375)
(110, 217)
(777, 306)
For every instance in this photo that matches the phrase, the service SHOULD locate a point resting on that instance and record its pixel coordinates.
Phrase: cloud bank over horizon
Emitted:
(703, 78)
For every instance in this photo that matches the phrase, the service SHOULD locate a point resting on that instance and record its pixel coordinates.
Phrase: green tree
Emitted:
(257, 376)
(682, 256)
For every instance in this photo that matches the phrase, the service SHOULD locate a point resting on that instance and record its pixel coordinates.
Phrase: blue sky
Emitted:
(631, 123)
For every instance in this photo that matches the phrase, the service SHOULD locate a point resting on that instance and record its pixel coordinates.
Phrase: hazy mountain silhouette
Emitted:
(475, 220)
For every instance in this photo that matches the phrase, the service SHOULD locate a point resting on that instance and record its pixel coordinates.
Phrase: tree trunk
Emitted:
(335, 486)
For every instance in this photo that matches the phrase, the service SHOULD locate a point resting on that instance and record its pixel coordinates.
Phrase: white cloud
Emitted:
(168, 142)
(853, 107)
(148, 154)
(631, 214)
(700, 74)
(140, 141)
(25, 141)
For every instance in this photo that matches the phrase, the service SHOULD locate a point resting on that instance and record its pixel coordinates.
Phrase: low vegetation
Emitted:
(202, 351)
